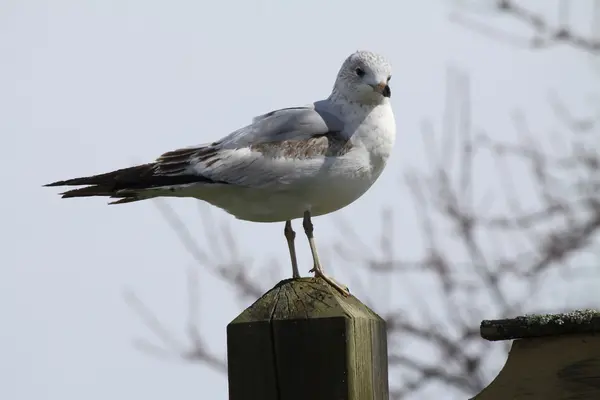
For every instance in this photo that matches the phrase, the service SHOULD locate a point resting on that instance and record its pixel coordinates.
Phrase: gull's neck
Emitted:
(338, 98)
(370, 125)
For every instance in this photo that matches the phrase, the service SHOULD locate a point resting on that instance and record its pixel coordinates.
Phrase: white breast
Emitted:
(375, 130)
(350, 176)
(321, 186)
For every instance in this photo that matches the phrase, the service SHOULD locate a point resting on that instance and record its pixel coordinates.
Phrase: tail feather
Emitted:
(87, 191)
(114, 178)
(127, 200)
(127, 184)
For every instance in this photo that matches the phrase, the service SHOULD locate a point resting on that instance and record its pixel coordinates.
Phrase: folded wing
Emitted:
(268, 151)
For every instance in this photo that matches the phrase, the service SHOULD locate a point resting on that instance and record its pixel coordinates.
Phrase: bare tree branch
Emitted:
(545, 34)
(476, 260)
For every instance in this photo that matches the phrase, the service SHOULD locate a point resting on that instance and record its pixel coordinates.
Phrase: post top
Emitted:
(537, 325)
(304, 298)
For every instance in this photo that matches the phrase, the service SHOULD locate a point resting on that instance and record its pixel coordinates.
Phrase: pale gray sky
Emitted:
(87, 87)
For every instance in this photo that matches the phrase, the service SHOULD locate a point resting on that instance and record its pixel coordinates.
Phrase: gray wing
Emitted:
(294, 123)
(280, 147)
(293, 137)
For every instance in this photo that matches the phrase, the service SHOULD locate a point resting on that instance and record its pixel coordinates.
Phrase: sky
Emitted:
(87, 87)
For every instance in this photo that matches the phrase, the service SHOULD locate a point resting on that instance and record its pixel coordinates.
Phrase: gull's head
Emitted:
(364, 78)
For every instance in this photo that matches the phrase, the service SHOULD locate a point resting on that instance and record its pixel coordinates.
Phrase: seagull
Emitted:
(290, 163)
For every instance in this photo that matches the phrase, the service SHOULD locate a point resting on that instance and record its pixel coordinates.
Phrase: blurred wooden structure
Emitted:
(553, 357)
(304, 340)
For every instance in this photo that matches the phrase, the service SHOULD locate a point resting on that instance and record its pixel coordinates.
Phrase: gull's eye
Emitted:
(360, 72)
(389, 78)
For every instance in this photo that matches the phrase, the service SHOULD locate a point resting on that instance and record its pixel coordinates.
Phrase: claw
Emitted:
(339, 287)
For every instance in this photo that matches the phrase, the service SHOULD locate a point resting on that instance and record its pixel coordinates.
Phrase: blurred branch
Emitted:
(171, 348)
(435, 372)
(470, 283)
(232, 271)
(223, 260)
(489, 240)
(545, 35)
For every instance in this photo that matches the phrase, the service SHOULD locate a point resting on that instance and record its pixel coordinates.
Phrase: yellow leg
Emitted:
(290, 235)
(318, 269)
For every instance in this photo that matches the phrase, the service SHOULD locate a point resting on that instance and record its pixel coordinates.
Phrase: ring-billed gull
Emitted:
(290, 163)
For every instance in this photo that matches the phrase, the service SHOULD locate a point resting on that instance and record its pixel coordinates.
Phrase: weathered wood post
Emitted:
(554, 357)
(303, 340)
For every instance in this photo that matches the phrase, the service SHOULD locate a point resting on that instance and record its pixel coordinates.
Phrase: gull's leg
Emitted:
(290, 235)
(318, 269)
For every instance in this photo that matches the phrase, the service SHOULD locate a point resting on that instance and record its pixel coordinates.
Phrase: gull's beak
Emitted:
(383, 88)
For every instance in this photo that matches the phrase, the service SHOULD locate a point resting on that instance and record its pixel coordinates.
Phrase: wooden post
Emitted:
(554, 357)
(303, 340)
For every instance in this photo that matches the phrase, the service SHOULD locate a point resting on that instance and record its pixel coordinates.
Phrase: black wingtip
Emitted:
(66, 195)
(57, 183)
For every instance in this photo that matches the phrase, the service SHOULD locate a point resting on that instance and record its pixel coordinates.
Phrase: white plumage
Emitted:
(289, 163)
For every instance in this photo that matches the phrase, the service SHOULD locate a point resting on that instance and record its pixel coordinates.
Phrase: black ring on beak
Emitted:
(386, 92)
